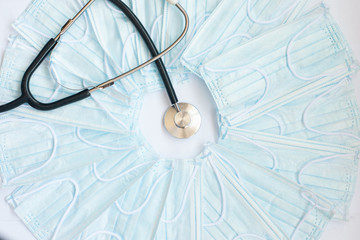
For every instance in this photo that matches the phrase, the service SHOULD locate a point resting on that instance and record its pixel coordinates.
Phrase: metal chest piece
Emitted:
(183, 122)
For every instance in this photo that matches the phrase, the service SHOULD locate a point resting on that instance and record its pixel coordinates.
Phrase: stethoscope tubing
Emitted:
(27, 97)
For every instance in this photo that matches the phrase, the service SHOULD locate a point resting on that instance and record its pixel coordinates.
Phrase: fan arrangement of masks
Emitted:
(280, 73)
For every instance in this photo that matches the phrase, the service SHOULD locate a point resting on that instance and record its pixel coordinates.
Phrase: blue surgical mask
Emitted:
(180, 217)
(51, 209)
(330, 115)
(326, 169)
(107, 110)
(292, 208)
(296, 59)
(198, 12)
(33, 150)
(235, 22)
(227, 210)
(136, 214)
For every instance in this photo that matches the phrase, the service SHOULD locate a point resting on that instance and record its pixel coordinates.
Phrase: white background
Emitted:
(346, 12)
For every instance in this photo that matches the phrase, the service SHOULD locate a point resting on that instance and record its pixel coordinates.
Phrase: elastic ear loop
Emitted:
(111, 234)
(324, 159)
(287, 10)
(195, 29)
(313, 199)
(291, 65)
(154, 25)
(147, 199)
(76, 187)
(282, 126)
(223, 42)
(52, 131)
(273, 156)
(308, 164)
(177, 216)
(309, 107)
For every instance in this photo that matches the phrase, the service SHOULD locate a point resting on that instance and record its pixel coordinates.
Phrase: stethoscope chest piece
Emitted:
(183, 122)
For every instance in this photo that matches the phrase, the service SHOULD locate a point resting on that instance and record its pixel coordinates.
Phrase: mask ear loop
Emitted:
(186, 194)
(282, 126)
(324, 159)
(273, 156)
(154, 25)
(313, 199)
(147, 199)
(291, 65)
(310, 106)
(76, 193)
(111, 234)
(221, 43)
(286, 11)
(52, 155)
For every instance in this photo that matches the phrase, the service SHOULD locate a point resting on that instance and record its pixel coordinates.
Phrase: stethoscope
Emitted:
(182, 120)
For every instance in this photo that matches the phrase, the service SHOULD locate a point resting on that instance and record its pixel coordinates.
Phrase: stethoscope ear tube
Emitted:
(26, 95)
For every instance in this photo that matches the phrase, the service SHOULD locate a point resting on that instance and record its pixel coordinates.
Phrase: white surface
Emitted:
(346, 13)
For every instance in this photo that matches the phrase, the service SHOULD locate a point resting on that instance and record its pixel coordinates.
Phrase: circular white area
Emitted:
(156, 104)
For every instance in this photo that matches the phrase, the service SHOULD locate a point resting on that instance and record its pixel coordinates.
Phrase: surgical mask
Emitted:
(180, 217)
(136, 214)
(296, 59)
(330, 115)
(326, 169)
(198, 12)
(52, 208)
(235, 22)
(107, 110)
(33, 150)
(89, 38)
(294, 209)
(228, 211)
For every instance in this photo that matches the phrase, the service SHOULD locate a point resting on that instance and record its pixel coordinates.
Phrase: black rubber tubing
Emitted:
(27, 97)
